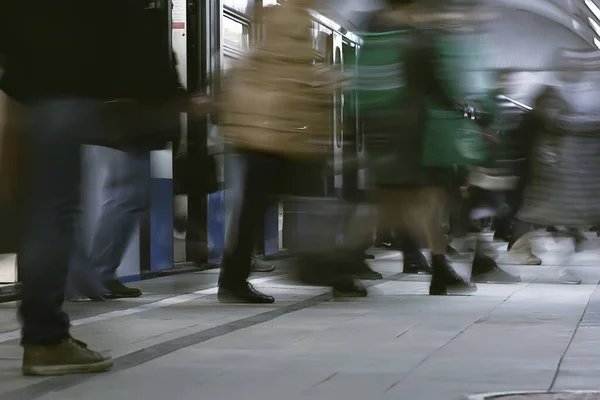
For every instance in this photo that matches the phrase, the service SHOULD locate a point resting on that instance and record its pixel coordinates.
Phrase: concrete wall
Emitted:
(528, 42)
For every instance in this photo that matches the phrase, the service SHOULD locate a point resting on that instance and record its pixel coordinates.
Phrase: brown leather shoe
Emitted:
(68, 357)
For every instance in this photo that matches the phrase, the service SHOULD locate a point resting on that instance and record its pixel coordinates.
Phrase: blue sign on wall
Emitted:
(161, 224)
(216, 226)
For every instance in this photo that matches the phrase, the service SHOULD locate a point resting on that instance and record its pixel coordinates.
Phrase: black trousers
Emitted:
(267, 177)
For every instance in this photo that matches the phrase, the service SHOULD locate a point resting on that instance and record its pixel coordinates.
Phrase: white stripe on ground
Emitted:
(16, 334)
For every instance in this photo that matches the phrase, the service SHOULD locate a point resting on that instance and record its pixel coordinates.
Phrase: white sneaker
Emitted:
(567, 277)
(522, 252)
(532, 259)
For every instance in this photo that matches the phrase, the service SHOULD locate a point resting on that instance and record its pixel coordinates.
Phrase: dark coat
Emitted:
(105, 51)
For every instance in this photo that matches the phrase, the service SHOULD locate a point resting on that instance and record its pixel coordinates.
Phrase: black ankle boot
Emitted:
(445, 279)
(356, 265)
(348, 287)
(451, 251)
(486, 270)
(416, 263)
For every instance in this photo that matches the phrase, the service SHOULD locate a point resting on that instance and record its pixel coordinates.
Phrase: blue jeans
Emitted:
(125, 181)
(52, 150)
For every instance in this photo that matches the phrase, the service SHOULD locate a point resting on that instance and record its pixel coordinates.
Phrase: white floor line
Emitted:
(16, 334)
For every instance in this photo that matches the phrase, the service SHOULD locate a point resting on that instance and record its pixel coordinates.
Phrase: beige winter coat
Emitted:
(277, 101)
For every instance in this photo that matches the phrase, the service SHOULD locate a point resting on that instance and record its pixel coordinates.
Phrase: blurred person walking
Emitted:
(275, 112)
(414, 93)
(561, 186)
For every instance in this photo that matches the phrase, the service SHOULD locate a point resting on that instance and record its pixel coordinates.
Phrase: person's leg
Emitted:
(126, 199)
(384, 237)
(430, 209)
(125, 195)
(460, 220)
(520, 245)
(235, 165)
(357, 236)
(83, 282)
(579, 237)
(260, 178)
(50, 208)
(485, 269)
(414, 261)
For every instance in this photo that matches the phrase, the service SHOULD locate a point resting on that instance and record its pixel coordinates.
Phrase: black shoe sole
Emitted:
(115, 296)
(452, 291)
(493, 278)
(227, 298)
(416, 271)
(60, 370)
(337, 293)
(263, 270)
(370, 276)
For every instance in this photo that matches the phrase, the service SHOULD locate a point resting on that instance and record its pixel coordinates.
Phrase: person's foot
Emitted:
(259, 265)
(113, 289)
(525, 256)
(381, 244)
(580, 239)
(70, 356)
(567, 277)
(80, 298)
(474, 229)
(532, 259)
(445, 280)
(485, 270)
(349, 288)
(522, 252)
(451, 251)
(361, 270)
(369, 275)
(116, 290)
(416, 264)
(462, 245)
(395, 245)
(500, 236)
(244, 293)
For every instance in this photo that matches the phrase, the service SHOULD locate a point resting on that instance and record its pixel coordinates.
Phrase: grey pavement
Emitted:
(178, 342)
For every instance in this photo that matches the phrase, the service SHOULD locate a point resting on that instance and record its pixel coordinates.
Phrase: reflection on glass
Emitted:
(229, 63)
(240, 5)
(235, 34)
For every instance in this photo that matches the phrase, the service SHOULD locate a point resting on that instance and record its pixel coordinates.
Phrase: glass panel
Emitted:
(229, 63)
(339, 99)
(350, 97)
(243, 6)
(235, 34)
(322, 39)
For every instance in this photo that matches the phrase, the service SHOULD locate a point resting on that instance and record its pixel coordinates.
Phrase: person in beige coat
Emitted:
(275, 111)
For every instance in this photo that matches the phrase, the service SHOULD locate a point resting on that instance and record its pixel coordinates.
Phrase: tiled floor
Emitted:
(399, 343)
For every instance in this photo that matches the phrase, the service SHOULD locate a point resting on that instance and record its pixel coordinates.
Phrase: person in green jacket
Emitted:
(412, 198)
